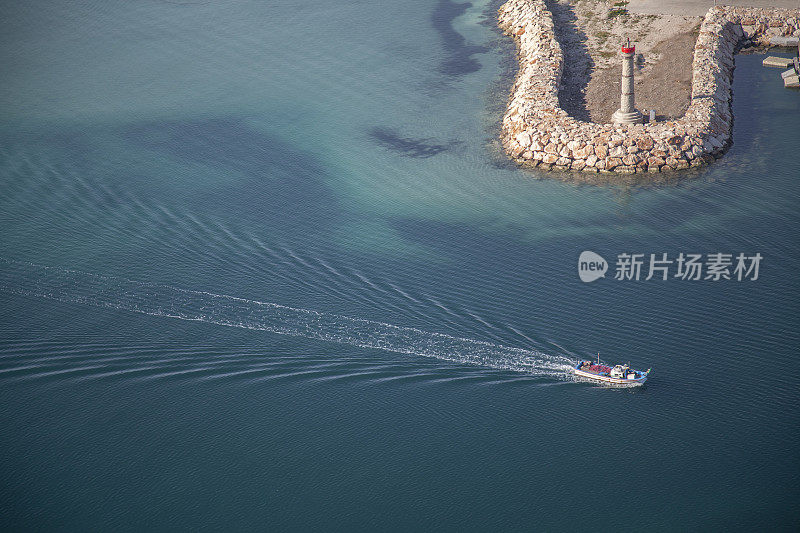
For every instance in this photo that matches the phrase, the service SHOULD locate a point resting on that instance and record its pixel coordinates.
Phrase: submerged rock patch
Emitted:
(391, 140)
(459, 60)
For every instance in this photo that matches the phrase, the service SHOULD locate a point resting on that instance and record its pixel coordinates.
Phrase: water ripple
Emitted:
(171, 302)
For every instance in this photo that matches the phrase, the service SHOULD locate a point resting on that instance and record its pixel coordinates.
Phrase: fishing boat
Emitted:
(617, 375)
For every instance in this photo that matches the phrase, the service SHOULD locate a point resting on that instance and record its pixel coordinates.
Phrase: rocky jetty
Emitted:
(537, 132)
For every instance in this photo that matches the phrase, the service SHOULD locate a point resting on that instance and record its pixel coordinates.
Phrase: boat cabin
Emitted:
(622, 372)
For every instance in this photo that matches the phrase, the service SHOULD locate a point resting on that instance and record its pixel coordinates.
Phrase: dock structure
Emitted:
(627, 112)
(788, 41)
(793, 80)
(791, 77)
(779, 62)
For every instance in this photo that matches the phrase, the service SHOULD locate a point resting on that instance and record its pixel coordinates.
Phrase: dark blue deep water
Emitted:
(263, 268)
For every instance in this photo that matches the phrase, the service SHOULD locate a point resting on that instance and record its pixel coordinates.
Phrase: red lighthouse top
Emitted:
(627, 48)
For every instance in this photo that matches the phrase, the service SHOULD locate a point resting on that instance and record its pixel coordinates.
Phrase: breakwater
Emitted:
(537, 132)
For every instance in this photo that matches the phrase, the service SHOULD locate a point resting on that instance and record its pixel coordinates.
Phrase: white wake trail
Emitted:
(163, 300)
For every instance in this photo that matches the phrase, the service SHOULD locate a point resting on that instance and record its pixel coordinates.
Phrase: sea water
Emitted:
(263, 266)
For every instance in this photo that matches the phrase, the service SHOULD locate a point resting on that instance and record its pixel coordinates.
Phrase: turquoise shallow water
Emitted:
(263, 268)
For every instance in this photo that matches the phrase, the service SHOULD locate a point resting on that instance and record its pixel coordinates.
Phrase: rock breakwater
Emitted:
(537, 132)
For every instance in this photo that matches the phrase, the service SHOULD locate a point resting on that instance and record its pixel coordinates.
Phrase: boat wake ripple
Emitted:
(163, 300)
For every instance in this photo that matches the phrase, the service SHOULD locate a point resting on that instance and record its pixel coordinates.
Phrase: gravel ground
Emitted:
(699, 7)
(591, 35)
(664, 85)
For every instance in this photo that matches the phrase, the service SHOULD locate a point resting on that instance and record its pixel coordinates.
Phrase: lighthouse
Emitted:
(627, 112)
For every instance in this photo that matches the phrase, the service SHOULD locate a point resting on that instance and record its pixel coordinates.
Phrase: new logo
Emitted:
(591, 266)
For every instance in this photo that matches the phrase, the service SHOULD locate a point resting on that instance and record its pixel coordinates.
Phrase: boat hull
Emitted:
(608, 379)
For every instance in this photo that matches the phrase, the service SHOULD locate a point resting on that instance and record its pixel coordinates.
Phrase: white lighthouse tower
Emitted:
(627, 112)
